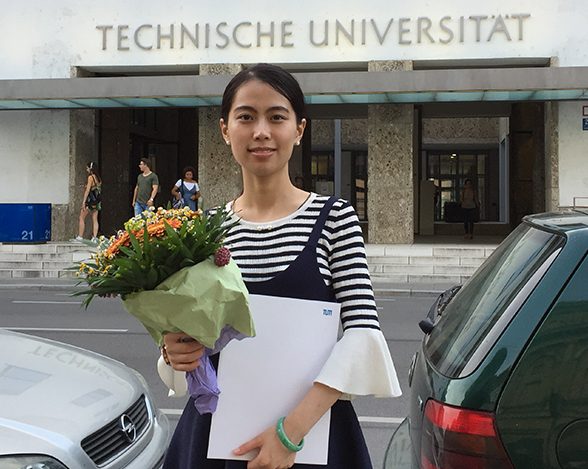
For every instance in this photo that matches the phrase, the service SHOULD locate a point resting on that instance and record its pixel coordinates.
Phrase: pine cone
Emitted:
(222, 256)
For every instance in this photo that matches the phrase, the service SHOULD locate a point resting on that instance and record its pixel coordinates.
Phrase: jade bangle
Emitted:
(284, 438)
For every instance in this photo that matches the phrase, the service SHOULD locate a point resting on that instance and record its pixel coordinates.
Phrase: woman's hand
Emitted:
(183, 352)
(272, 453)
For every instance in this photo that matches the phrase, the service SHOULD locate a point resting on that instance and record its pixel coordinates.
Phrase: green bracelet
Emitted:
(284, 438)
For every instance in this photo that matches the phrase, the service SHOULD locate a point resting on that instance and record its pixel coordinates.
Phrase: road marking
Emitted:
(172, 411)
(31, 302)
(385, 420)
(385, 299)
(59, 329)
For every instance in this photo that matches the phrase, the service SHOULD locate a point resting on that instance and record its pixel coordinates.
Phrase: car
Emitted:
(63, 407)
(501, 377)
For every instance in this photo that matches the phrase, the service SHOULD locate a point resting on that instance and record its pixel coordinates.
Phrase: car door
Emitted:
(542, 414)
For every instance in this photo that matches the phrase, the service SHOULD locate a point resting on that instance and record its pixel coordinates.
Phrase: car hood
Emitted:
(51, 393)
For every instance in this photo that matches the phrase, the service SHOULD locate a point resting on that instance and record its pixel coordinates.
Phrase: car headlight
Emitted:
(30, 461)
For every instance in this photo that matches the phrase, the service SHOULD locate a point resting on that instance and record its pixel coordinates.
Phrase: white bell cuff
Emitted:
(174, 380)
(360, 365)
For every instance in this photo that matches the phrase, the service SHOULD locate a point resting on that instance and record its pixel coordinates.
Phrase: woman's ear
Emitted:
(300, 130)
(224, 131)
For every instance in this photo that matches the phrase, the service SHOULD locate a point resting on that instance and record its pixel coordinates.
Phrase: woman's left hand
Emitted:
(272, 453)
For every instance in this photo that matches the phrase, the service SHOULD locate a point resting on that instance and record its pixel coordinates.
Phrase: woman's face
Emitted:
(188, 175)
(262, 129)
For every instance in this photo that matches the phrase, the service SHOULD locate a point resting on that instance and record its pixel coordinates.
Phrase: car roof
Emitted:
(563, 221)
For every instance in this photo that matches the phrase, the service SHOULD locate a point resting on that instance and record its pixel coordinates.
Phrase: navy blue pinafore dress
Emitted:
(347, 449)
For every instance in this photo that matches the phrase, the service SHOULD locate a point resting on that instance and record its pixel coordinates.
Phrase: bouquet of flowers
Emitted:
(174, 274)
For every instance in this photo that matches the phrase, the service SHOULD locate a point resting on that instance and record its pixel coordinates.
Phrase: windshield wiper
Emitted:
(437, 308)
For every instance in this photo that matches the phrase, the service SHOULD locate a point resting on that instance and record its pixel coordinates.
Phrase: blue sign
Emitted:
(25, 223)
(585, 123)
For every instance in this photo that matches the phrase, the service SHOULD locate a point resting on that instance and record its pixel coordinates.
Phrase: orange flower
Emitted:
(113, 249)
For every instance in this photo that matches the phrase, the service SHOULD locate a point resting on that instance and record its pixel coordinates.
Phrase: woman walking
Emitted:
(92, 202)
(186, 190)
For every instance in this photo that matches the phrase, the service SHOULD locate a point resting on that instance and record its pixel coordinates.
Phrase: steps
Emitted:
(398, 263)
(426, 263)
(50, 260)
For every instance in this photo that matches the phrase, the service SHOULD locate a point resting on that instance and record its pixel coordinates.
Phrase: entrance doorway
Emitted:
(168, 137)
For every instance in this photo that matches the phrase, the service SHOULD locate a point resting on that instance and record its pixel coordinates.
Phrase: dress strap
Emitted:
(320, 222)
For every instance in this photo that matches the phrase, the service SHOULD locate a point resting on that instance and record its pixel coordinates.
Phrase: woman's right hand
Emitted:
(183, 352)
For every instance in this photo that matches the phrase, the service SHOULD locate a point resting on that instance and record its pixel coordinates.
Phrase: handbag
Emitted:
(179, 203)
(94, 198)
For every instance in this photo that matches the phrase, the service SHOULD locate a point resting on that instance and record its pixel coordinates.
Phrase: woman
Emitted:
(291, 243)
(92, 202)
(187, 189)
(469, 204)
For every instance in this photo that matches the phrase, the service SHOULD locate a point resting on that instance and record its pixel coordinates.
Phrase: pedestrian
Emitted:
(92, 202)
(146, 188)
(470, 206)
(186, 190)
(291, 243)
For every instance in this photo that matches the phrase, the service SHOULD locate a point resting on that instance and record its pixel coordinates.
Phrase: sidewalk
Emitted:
(382, 287)
(38, 283)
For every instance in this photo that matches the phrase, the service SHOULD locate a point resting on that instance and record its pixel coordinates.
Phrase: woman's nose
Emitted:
(262, 130)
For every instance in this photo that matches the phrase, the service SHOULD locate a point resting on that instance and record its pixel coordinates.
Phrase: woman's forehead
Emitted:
(259, 96)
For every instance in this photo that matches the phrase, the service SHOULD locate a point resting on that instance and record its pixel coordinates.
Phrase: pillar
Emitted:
(390, 167)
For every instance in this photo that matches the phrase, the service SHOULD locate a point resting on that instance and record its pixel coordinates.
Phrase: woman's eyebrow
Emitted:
(245, 107)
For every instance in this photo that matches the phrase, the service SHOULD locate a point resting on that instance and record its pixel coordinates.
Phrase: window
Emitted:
(449, 170)
(478, 306)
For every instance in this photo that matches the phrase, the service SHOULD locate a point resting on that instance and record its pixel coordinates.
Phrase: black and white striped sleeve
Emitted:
(360, 363)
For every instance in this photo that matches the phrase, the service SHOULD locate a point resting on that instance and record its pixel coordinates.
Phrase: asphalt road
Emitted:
(105, 327)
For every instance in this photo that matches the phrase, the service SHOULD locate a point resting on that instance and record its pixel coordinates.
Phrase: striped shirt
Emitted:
(263, 250)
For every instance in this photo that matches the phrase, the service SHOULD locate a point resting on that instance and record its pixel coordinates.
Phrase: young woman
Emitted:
(291, 243)
(92, 204)
(187, 188)
(469, 204)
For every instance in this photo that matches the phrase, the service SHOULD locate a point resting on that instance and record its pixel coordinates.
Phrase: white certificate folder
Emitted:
(263, 378)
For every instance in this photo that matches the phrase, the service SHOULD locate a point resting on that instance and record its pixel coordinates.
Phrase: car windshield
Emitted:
(484, 298)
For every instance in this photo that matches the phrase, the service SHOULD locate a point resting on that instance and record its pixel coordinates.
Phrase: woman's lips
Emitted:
(261, 151)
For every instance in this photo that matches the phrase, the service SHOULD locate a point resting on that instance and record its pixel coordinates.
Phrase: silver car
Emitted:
(62, 407)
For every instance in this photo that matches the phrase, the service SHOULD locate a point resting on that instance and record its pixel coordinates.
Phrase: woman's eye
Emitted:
(244, 117)
(278, 117)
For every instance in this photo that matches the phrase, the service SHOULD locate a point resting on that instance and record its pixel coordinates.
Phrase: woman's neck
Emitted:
(262, 202)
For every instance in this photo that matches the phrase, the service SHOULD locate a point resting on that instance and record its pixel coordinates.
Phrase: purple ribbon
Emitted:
(202, 382)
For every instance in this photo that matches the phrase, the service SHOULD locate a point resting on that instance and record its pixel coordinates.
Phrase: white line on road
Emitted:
(58, 329)
(386, 420)
(385, 299)
(31, 302)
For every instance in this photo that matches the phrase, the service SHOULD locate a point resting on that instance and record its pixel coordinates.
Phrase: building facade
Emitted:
(406, 101)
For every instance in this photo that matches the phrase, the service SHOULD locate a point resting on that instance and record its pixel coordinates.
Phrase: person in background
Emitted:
(469, 205)
(263, 117)
(187, 188)
(146, 188)
(92, 202)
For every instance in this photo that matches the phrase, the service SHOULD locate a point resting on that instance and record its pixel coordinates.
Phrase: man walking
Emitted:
(146, 188)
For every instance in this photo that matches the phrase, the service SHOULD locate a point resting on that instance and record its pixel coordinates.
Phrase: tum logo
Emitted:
(327, 312)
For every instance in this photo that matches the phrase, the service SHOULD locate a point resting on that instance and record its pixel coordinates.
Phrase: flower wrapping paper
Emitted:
(207, 302)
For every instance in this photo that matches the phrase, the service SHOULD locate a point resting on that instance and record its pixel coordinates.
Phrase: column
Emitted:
(390, 167)
(219, 175)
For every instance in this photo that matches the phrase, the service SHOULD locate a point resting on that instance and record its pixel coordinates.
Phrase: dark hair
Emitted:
(186, 169)
(468, 180)
(146, 162)
(93, 167)
(276, 77)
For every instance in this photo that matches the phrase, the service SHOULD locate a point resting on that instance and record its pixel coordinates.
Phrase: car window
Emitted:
(484, 298)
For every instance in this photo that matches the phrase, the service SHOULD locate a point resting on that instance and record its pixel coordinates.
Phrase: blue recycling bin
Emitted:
(25, 223)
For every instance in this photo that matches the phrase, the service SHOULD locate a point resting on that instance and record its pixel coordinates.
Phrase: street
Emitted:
(105, 327)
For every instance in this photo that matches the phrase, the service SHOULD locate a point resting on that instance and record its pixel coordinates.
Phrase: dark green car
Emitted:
(501, 378)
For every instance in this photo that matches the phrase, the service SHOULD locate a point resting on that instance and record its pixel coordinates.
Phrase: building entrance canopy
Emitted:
(418, 86)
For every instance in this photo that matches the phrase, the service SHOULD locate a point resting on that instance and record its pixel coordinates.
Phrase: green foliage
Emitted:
(148, 259)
